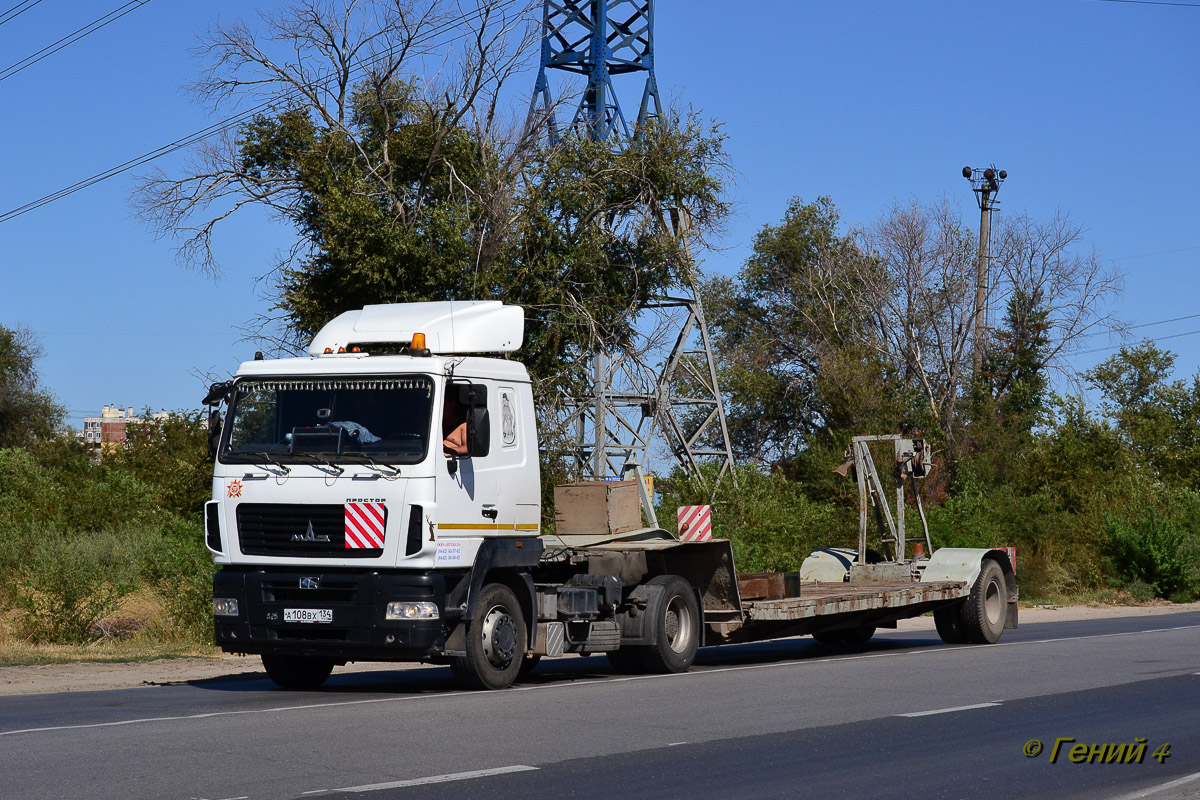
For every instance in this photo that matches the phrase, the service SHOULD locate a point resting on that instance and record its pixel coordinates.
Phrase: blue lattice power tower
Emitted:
(633, 391)
(598, 39)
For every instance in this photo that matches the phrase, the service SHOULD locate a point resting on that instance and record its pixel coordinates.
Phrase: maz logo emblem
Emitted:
(310, 535)
(310, 583)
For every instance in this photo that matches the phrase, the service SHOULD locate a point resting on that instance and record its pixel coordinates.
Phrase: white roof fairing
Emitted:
(450, 327)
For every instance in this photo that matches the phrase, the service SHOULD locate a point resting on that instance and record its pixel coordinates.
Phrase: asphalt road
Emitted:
(904, 715)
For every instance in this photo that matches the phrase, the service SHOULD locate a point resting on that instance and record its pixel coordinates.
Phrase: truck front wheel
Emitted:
(297, 672)
(495, 641)
(678, 627)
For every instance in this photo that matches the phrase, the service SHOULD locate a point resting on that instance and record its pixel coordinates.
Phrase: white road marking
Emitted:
(676, 744)
(1153, 790)
(441, 697)
(455, 776)
(315, 791)
(946, 710)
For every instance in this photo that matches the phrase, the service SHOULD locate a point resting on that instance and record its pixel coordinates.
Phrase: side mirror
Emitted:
(214, 432)
(216, 393)
(479, 432)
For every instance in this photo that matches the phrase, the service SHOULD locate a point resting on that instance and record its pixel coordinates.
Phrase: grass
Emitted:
(22, 654)
(138, 630)
(1097, 598)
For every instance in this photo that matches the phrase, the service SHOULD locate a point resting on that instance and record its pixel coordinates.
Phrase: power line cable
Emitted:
(17, 10)
(1159, 253)
(1110, 331)
(71, 38)
(1155, 340)
(222, 125)
(1152, 3)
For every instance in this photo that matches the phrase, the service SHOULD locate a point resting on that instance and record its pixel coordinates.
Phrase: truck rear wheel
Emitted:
(950, 625)
(983, 613)
(677, 638)
(495, 641)
(297, 672)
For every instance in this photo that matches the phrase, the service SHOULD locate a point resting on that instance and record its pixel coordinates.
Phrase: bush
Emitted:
(69, 583)
(1156, 552)
(180, 570)
(771, 521)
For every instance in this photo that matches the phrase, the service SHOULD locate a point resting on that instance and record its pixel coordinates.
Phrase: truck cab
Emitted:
(342, 524)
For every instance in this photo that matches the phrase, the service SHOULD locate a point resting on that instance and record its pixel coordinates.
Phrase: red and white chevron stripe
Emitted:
(365, 525)
(695, 523)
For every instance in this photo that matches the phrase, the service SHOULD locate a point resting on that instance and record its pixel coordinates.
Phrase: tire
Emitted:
(983, 613)
(528, 663)
(297, 673)
(495, 641)
(860, 635)
(677, 636)
(828, 637)
(950, 625)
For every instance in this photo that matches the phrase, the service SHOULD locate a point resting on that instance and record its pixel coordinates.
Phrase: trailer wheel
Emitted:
(678, 636)
(983, 612)
(860, 635)
(495, 641)
(950, 625)
(297, 672)
(828, 637)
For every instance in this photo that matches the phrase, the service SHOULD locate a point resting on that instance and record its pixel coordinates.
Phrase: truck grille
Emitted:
(329, 589)
(276, 529)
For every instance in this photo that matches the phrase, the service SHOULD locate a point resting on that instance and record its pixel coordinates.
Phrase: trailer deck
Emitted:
(820, 599)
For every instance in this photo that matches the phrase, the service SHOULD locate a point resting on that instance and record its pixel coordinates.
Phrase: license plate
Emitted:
(308, 615)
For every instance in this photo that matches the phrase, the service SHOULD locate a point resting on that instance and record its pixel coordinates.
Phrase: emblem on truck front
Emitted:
(310, 535)
(310, 583)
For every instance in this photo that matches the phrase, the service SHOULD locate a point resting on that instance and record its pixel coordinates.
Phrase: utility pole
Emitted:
(986, 184)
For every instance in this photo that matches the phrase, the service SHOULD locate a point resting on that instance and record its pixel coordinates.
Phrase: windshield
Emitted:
(322, 419)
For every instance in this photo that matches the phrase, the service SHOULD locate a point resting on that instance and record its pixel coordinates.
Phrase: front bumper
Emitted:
(357, 600)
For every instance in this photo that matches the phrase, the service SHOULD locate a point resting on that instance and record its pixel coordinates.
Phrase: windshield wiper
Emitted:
(283, 468)
(380, 466)
(334, 469)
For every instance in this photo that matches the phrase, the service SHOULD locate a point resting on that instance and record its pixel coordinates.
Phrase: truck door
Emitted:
(469, 488)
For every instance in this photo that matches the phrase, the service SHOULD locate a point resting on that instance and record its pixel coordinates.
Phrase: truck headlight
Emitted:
(412, 610)
(225, 607)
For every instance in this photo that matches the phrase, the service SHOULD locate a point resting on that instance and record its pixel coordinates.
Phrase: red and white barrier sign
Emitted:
(695, 523)
(365, 525)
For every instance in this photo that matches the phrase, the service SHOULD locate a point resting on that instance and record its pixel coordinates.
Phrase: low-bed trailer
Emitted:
(971, 592)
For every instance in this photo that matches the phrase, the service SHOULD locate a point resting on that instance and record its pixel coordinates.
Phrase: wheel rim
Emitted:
(993, 603)
(499, 637)
(678, 624)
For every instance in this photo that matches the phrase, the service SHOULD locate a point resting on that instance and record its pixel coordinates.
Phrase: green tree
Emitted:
(1157, 419)
(404, 189)
(799, 360)
(170, 455)
(28, 413)
(1014, 367)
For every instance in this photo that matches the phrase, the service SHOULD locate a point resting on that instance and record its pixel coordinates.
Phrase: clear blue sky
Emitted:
(1093, 108)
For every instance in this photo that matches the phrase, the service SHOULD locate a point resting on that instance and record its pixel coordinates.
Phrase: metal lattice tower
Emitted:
(668, 379)
(598, 39)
